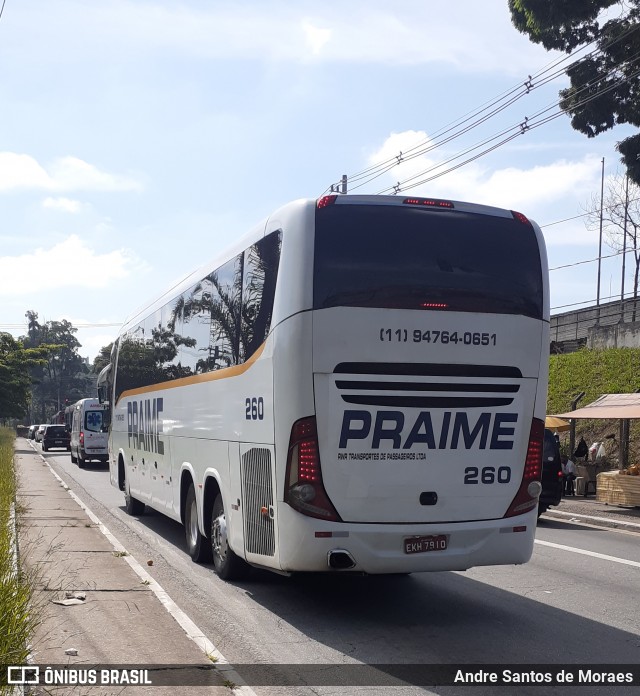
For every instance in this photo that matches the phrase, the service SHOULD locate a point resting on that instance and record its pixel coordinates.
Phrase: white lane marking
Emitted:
(619, 524)
(594, 554)
(222, 665)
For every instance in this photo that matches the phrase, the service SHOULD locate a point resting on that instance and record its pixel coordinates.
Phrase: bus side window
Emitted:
(258, 292)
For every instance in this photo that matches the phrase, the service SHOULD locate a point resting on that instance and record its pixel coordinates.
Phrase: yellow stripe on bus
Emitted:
(196, 379)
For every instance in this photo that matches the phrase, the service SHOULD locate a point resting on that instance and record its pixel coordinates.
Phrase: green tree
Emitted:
(16, 363)
(604, 86)
(102, 359)
(63, 377)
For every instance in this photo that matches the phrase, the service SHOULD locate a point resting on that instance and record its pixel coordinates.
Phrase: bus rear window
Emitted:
(408, 258)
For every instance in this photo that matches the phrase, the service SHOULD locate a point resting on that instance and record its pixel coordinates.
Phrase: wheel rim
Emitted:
(193, 523)
(219, 536)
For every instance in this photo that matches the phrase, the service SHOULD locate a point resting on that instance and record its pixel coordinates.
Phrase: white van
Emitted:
(89, 438)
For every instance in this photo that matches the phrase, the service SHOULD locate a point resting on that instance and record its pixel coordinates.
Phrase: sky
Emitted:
(140, 138)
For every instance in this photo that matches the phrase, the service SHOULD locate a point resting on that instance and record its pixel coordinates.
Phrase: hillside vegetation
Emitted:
(595, 372)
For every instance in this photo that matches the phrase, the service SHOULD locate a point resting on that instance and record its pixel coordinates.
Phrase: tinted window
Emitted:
(136, 364)
(258, 291)
(196, 327)
(93, 421)
(224, 345)
(410, 258)
(56, 431)
(217, 323)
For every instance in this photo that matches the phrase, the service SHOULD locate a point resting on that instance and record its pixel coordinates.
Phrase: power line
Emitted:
(521, 128)
(592, 301)
(529, 85)
(580, 263)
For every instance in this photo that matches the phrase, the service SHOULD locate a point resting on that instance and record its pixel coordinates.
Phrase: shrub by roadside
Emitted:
(18, 619)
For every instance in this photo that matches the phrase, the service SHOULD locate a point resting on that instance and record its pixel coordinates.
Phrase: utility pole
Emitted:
(624, 245)
(572, 430)
(341, 187)
(600, 244)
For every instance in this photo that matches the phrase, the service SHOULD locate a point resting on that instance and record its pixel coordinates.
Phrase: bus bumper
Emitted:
(305, 544)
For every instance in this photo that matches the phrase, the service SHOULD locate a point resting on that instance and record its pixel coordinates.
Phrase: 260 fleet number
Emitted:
(487, 474)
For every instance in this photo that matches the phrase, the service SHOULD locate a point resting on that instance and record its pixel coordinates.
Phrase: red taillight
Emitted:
(304, 489)
(527, 496)
(520, 217)
(81, 438)
(433, 305)
(324, 201)
(429, 202)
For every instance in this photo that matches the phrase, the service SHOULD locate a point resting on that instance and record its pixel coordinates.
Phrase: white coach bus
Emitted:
(360, 385)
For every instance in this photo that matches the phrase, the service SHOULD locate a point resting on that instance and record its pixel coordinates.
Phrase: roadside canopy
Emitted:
(557, 424)
(608, 406)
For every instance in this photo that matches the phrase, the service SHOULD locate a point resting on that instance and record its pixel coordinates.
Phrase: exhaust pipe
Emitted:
(339, 559)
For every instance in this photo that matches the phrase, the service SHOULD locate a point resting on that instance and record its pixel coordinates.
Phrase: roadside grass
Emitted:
(18, 618)
(595, 372)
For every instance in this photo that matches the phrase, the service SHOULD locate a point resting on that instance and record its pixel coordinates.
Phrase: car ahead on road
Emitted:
(32, 432)
(55, 436)
(39, 432)
(551, 473)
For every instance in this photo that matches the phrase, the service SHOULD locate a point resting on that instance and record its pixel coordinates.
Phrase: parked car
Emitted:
(551, 473)
(39, 432)
(32, 432)
(55, 436)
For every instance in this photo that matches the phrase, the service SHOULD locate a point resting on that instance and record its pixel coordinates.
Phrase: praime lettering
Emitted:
(456, 430)
(144, 425)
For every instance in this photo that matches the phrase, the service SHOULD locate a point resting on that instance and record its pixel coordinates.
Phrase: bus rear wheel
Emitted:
(132, 505)
(226, 563)
(197, 545)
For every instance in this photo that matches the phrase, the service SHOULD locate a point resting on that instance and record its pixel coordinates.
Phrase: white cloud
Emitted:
(525, 189)
(316, 37)
(20, 171)
(371, 31)
(65, 204)
(70, 263)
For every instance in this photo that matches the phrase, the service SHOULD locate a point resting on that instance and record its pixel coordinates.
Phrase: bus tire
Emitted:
(198, 546)
(227, 564)
(133, 506)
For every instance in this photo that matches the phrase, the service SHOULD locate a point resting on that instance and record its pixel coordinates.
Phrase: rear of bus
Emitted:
(429, 376)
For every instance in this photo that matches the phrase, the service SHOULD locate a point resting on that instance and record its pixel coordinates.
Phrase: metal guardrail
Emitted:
(575, 325)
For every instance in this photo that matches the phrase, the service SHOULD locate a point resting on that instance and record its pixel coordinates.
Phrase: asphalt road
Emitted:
(575, 603)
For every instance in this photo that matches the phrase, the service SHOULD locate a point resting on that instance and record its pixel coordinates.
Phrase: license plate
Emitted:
(422, 544)
(57, 442)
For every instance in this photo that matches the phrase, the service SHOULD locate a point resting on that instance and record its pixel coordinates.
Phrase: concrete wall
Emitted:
(618, 336)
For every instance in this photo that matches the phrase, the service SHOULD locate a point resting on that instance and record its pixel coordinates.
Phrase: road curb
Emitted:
(612, 523)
